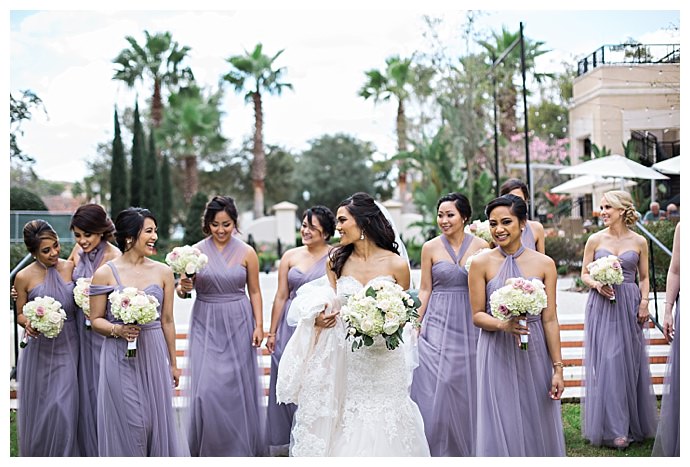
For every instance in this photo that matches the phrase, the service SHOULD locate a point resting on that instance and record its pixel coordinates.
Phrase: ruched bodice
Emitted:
(224, 278)
(450, 275)
(508, 269)
(628, 260)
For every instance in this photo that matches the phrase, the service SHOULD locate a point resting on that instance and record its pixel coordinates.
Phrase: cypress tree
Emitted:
(118, 174)
(192, 227)
(136, 176)
(151, 188)
(165, 215)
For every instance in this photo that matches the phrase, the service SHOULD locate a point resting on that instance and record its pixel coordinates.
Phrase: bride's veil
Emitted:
(401, 246)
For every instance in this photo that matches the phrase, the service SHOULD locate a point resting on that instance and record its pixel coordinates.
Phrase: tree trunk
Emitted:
(191, 179)
(401, 130)
(259, 161)
(157, 104)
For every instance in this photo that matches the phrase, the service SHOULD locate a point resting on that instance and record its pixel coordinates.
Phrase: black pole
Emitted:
(496, 170)
(524, 103)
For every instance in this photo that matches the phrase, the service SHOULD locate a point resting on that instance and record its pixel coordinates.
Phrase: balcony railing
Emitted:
(624, 54)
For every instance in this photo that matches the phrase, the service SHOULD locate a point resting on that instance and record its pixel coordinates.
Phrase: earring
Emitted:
(129, 240)
(361, 235)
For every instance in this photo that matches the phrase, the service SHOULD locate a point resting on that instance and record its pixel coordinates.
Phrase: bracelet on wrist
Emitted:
(558, 365)
(112, 332)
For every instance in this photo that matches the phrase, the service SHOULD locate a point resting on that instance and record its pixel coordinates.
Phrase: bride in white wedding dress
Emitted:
(350, 403)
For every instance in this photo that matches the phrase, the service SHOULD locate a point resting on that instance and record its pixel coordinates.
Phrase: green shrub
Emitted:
(566, 252)
(663, 231)
(22, 199)
(414, 252)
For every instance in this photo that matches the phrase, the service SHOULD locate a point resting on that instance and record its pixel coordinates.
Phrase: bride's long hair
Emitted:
(373, 223)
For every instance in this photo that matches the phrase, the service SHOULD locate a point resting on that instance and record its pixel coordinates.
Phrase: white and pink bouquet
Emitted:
(479, 229)
(186, 259)
(133, 306)
(519, 297)
(382, 309)
(81, 298)
(45, 314)
(607, 270)
(468, 261)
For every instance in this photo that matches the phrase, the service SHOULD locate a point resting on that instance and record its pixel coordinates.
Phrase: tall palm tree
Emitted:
(160, 59)
(253, 73)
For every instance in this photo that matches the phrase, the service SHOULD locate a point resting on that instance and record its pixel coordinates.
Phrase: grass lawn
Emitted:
(575, 446)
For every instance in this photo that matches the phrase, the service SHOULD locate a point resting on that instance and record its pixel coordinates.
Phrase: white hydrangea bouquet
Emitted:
(607, 270)
(45, 314)
(81, 298)
(382, 309)
(133, 306)
(186, 259)
(479, 229)
(519, 297)
(468, 261)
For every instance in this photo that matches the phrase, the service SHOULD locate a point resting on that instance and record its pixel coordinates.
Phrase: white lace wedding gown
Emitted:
(349, 403)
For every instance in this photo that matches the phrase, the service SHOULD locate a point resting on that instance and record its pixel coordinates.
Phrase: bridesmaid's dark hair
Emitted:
(92, 218)
(516, 205)
(462, 204)
(35, 232)
(129, 223)
(513, 183)
(216, 205)
(373, 223)
(326, 219)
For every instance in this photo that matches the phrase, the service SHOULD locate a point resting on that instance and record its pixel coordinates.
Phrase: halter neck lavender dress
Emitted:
(48, 405)
(619, 399)
(224, 396)
(279, 416)
(90, 343)
(515, 415)
(135, 415)
(444, 385)
(667, 442)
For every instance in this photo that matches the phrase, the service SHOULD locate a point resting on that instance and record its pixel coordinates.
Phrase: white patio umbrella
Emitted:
(588, 184)
(669, 166)
(616, 166)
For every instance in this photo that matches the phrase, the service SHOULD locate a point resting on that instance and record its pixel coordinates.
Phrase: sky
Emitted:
(65, 56)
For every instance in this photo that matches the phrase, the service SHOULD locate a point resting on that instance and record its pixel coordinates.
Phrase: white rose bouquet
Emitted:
(186, 259)
(131, 305)
(382, 309)
(81, 298)
(519, 297)
(45, 314)
(480, 229)
(468, 261)
(607, 270)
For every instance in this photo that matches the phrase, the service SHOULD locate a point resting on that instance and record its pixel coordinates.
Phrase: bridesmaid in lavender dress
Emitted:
(297, 267)
(619, 405)
(93, 230)
(444, 385)
(224, 398)
(533, 234)
(518, 391)
(135, 415)
(48, 405)
(667, 442)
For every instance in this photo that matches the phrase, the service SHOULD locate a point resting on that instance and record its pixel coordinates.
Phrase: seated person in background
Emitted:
(672, 212)
(654, 213)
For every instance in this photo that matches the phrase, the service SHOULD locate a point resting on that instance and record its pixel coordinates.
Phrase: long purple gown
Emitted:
(135, 415)
(527, 238)
(515, 415)
(444, 385)
(279, 416)
(224, 398)
(667, 442)
(619, 399)
(90, 343)
(48, 405)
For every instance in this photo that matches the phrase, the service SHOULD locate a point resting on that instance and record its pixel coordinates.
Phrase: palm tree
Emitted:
(254, 73)
(160, 59)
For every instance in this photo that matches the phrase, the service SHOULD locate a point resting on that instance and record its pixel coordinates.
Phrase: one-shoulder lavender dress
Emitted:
(515, 415)
(48, 404)
(444, 385)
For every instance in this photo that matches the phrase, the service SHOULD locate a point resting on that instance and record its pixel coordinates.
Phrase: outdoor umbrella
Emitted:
(587, 184)
(669, 166)
(614, 166)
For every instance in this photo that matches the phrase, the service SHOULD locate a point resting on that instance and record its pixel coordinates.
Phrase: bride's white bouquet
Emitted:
(81, 298)
(519, 297)
(45, 315)
(131, 305)
(382, 309)
(480, 229)
(607, 270)
(186, 259)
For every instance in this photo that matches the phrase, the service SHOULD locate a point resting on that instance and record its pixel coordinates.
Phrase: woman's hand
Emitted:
(513, 326)
(605, 290)
(643, 312)
(557, 384)
(29, 331)
(271, 342)
(668, 326)
(324, 320)
(176, 373)
(128, 331)
(257, 336)
(186, 285)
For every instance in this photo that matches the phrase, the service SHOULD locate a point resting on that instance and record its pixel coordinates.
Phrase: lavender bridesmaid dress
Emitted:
(48, 405)
(224, 398)
(515, 415)
(444, 385)
(527, 238)
(279, 416)
(667, 442)
(619, 400)
(135, 415)
(90, 343)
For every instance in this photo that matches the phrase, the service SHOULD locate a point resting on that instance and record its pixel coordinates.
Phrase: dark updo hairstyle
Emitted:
(129, 224)
(462, 204)
(516, 205)
(325, 217)
(213, 207)
(373, 223)
(513, 183)
(93, 219)
(35, 232)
